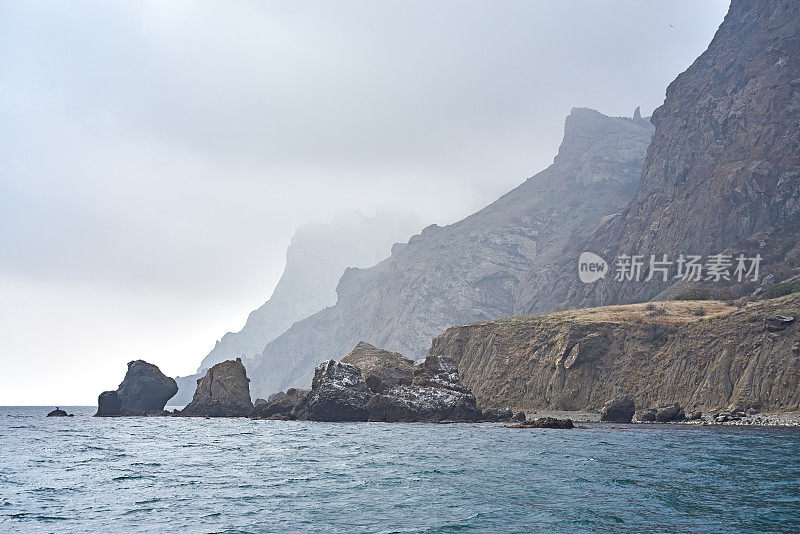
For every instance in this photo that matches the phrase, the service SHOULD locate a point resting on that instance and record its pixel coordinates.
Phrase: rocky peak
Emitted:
(223, 392)
(594, 145)
(144, 390)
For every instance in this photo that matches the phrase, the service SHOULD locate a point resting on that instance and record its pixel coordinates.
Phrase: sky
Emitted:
(155, 157)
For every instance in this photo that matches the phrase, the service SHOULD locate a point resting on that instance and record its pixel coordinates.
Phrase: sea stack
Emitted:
(223, 392)
(145, 390)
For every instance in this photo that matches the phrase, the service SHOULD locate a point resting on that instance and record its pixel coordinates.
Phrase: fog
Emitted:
(155, 157)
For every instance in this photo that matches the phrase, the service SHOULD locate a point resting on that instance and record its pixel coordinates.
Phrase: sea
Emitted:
(162, 474)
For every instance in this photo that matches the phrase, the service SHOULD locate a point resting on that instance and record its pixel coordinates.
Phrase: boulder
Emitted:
(380, 368)
(497, 415)
(58, 412)
(666, 413)
(548, 422)
(519, 417)
(223, 392)
(285, 406)
(618, 410)
(144, 390)
(435, 394)
(338, 393)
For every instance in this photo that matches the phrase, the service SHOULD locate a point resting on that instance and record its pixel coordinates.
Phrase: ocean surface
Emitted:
(85, 474)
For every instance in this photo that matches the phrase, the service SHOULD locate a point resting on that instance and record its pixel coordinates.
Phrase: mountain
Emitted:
(316, 258)
(475, 269)
(723, 170)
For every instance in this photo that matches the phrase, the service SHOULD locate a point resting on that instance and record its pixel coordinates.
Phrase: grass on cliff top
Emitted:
(670, 311)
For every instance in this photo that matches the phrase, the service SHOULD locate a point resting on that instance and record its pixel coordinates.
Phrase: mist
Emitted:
(156, 157)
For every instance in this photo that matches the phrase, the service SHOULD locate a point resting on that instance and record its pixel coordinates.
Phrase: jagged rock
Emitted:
(435, 394)
(548, 422)
(380, 368)
(144, 390)
(259, 402)
(58, 412)
(777, 323)
(618, 410)
(286, 406)
(338, 393)
(519, 417)
(694, 416)
(223, 392)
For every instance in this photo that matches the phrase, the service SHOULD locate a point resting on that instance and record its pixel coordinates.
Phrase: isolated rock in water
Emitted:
(287, 406)
(338, 393)
(380, 368)
(618, 410)
(548, 422)
(58, 412)
(144, 390)
(436, 394)
(223, 392)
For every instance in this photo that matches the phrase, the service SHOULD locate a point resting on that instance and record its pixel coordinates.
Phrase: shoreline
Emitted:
(765, 419)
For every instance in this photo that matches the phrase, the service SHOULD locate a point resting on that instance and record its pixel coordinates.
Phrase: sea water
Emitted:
(163, 474)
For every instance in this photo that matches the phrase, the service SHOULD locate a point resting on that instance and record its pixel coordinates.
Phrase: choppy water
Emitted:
(235, 475)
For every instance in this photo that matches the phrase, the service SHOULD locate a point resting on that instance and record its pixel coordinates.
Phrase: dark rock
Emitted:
(519, 417)
(777, 323)
(618, 410)
(666, 413)
(338, 393)
(223, 392)
(380, 368)
(260, 402)
(144, 390)
(435, 394)
(548, 422)
(58, 412)
(497, 415)
(286, 406)
(647, 416)
(694, 416)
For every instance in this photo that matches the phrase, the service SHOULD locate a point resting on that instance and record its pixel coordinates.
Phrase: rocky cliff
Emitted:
(473, 269)
(223, 392)
(704, 355)
(144, 391)
(723, 165)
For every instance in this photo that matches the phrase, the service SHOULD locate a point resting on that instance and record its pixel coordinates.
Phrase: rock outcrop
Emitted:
(58, 412)
(618, 410)
(657, 353)
(223, 392)
(380, 368)
(340, 393)
(145, 390)
(479, 268)
(548, 422)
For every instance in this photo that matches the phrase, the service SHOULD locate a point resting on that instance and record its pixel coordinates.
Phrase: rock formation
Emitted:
(548, 422)
(145, 390)
(340, 393)
(580, 358)
(223, 392)
(58, 412)
(618, 410)
(477, 269)
(380, 368)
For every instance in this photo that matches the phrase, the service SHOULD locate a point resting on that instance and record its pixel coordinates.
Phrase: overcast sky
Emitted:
(155, 157)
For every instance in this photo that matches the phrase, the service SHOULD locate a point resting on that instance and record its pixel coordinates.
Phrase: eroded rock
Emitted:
(145, 390)
(223, 392)
(618, 410)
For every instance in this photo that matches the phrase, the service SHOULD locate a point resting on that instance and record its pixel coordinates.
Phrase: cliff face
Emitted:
(724, 162)
(315, 260)
(473, 269)
(701, 354)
